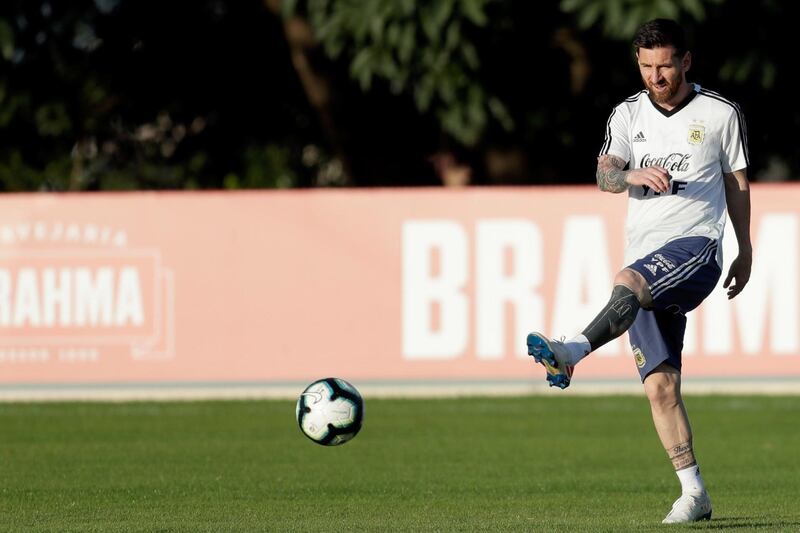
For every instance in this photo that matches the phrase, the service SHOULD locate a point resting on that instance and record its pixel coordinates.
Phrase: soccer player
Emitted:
(680, 152)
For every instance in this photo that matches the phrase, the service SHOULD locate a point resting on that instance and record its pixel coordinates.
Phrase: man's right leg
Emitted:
(663, 389)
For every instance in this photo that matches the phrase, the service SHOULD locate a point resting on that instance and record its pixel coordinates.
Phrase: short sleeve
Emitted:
(617, 139)
(733, 152)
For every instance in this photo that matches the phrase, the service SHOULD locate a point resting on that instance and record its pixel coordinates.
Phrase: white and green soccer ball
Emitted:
(330, 411)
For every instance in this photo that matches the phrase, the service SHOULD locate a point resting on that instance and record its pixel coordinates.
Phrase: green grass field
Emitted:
(552, 463)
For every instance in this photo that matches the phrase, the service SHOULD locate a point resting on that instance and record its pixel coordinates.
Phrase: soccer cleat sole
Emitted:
(706, 516)
(541, 353)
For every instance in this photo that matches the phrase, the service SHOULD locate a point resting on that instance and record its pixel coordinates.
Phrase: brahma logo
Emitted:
(77, 291)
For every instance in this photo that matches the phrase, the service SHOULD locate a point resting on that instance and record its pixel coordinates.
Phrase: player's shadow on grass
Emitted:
(738, 522)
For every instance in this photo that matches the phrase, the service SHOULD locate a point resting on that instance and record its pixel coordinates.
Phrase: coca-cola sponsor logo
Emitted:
(674, 162)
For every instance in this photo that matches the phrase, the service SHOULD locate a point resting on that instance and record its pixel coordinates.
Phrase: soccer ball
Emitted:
(330, 411)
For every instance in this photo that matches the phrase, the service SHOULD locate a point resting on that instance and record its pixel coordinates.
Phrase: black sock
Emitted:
(615, 318)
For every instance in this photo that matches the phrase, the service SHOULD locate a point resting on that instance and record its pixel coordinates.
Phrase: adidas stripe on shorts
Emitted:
(680, 275)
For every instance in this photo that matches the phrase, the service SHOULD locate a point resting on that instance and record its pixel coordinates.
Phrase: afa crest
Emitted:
(697, 133)
(639, 357)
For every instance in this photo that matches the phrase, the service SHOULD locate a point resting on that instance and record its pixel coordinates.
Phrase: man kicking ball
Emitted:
(685, 151)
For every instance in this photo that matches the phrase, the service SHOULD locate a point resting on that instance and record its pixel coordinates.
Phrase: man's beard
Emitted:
(673, 86)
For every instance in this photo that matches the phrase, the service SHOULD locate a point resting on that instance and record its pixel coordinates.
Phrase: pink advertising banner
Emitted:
(379, 285)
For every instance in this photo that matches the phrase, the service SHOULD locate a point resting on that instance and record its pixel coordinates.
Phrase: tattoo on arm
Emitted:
(610, 176)
(682, 455)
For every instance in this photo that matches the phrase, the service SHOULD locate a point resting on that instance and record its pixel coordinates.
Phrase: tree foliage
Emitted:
(620, 18)
(121, 94)
(420, 47)
(141, 94)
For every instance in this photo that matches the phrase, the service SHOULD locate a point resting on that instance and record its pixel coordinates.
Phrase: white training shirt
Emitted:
(698, 140)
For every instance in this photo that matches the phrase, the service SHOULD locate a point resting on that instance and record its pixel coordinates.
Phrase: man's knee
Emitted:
(663, 387)
(636, 283)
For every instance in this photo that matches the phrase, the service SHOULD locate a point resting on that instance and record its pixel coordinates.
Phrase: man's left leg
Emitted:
(560, 357)
(663, 389)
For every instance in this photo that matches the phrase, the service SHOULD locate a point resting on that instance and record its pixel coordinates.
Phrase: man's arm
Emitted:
(737, 197)
(611, 177)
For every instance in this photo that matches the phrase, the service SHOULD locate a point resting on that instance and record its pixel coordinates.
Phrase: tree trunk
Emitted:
(302, 47)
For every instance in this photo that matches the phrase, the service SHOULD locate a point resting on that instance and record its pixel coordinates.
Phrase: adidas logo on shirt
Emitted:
(640, 138)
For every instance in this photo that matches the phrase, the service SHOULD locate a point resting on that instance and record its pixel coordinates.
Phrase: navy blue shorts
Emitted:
(680, 275)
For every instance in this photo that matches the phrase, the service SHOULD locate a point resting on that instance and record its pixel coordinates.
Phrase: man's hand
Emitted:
(656, 178)
(740, 272)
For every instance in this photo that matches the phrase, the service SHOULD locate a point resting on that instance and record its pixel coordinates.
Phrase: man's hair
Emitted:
(660, 33)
